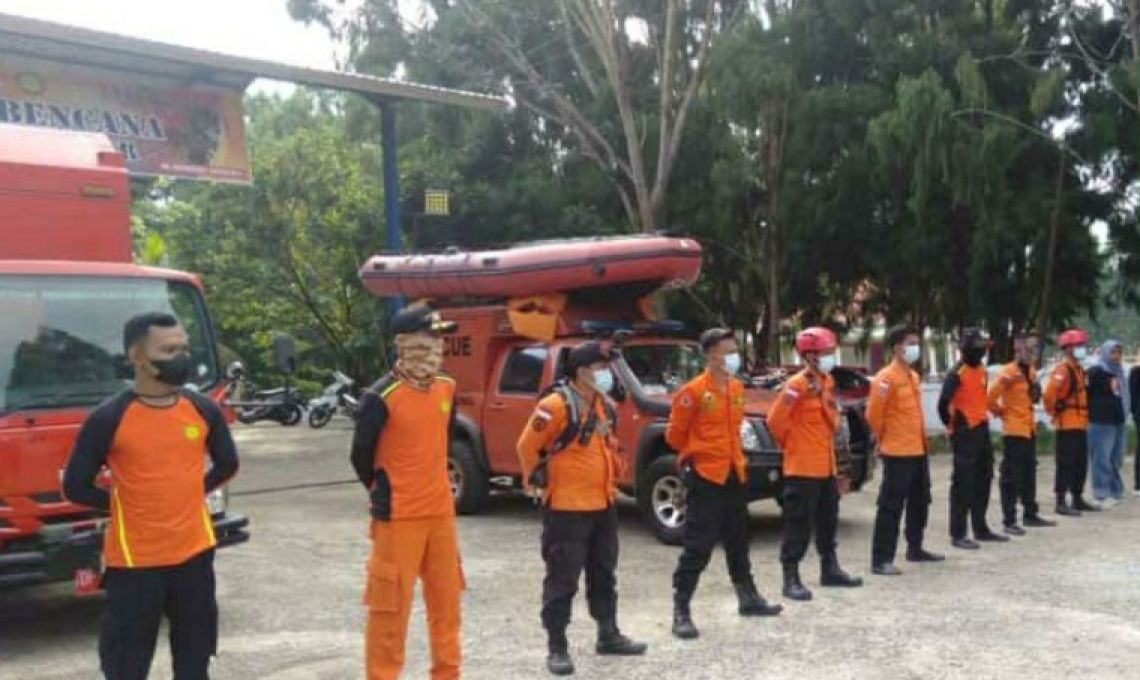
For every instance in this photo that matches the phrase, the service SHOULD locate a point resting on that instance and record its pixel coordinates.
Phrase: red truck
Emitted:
(501, 365)
(67, 286)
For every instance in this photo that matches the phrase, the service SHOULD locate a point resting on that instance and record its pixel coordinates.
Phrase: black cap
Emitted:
(584, 355)
(972, 338)
(713, 337)
(420, 318)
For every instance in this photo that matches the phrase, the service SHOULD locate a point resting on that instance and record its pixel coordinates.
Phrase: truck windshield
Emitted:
(61, 337)
(664, 368)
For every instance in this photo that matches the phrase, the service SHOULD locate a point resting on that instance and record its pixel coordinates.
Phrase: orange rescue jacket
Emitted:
(1066, 398)
(804, 421)
(894, 412)
(704, 428)
(1009, 399)
(963, 398)
(581, 477)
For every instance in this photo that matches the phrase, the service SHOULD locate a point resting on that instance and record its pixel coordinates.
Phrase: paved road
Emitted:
(1061, 603)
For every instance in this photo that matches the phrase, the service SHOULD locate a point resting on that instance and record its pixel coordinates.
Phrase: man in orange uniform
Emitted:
(894, 413)
(1067, 401)
(399, 452)
(962, 408)
(159, 545)
(804, 421)
(704, 427)
(567, 458)
(1011, 398)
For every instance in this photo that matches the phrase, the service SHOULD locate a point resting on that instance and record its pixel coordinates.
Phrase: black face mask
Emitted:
(174, 372)
(973, 355)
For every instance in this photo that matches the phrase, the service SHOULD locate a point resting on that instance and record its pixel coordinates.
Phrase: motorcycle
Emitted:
(336, 395)
(285, 405)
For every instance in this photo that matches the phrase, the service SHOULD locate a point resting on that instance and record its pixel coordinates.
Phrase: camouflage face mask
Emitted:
(419, 358)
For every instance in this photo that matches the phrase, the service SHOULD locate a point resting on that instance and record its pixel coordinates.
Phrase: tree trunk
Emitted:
(774, 171)
(1134, 34)
(1051, 253)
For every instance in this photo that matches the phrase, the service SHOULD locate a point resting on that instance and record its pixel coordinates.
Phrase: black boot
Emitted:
(612, 643)
(751, 604)
(1084, 506)
(918, 554)
(683, 627)
(1064, 509)
(558, 657)
(832, 575)
(1038, 522)
(793, 587)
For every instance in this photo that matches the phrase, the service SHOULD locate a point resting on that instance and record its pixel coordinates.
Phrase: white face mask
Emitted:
(1080, 353)
(603, 380)
(912, 353)
(826, 363)
(732, 363)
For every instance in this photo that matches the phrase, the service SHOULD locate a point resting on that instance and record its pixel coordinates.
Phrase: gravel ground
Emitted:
(1060, 603)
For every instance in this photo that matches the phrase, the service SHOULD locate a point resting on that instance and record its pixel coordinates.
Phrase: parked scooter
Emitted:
(336, 395)
(285, 405)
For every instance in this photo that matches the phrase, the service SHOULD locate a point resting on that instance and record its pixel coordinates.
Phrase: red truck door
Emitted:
(522, 373)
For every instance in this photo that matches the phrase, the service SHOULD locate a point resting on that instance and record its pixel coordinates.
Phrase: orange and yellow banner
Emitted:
(163, 128)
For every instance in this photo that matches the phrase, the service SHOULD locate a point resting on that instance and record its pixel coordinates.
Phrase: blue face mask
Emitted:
(826, 363)
(603, 380)
(912, 353)
(732, 363)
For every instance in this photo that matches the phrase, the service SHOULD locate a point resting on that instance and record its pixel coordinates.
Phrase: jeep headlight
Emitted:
(217, 501)
(749, 438)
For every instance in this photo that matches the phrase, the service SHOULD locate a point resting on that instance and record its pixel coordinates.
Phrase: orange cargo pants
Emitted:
(402, 551)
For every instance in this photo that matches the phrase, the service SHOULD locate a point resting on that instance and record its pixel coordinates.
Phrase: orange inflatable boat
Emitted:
(536, 268)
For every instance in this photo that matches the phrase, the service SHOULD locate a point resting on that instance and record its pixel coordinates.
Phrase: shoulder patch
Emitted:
(884, 386)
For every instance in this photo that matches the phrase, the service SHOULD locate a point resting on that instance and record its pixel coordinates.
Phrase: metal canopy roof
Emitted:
(58, 42)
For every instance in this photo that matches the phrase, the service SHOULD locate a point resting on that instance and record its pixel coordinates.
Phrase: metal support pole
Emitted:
(391, 184)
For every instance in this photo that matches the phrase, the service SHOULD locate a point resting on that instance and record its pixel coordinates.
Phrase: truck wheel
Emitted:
(661, 495)
(469, 483)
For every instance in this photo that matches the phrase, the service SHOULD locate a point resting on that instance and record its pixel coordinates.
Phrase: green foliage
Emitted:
(861, 160)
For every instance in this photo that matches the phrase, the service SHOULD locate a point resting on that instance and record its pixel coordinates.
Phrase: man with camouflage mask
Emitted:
(399, 452)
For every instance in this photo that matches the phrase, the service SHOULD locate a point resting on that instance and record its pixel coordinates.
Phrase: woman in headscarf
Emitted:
(1109, 406)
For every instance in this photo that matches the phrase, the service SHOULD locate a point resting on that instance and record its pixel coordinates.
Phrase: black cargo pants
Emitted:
(809, 504)
(137, 599)
(1018, 477)
(972, 480)
(905, 485)
(573, 541)
(1072, 463)
(714, 514)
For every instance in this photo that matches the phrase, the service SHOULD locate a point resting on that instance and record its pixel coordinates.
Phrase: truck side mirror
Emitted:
(284, 354)
(619, 393)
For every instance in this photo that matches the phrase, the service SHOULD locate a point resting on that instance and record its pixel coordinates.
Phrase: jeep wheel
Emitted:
(661, 496)
(469, 483)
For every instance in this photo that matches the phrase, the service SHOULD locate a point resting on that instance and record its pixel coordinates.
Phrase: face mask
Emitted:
(603, 380)
(420, 357)
(174, 372)
(732, 363)
(912, 353)
(1080, 353)
(826, 363)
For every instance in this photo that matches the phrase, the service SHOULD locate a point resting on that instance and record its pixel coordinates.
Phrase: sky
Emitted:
(249, 28)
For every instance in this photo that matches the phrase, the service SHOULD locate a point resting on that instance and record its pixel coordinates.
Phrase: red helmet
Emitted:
(1073, 337)
(815, 339)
